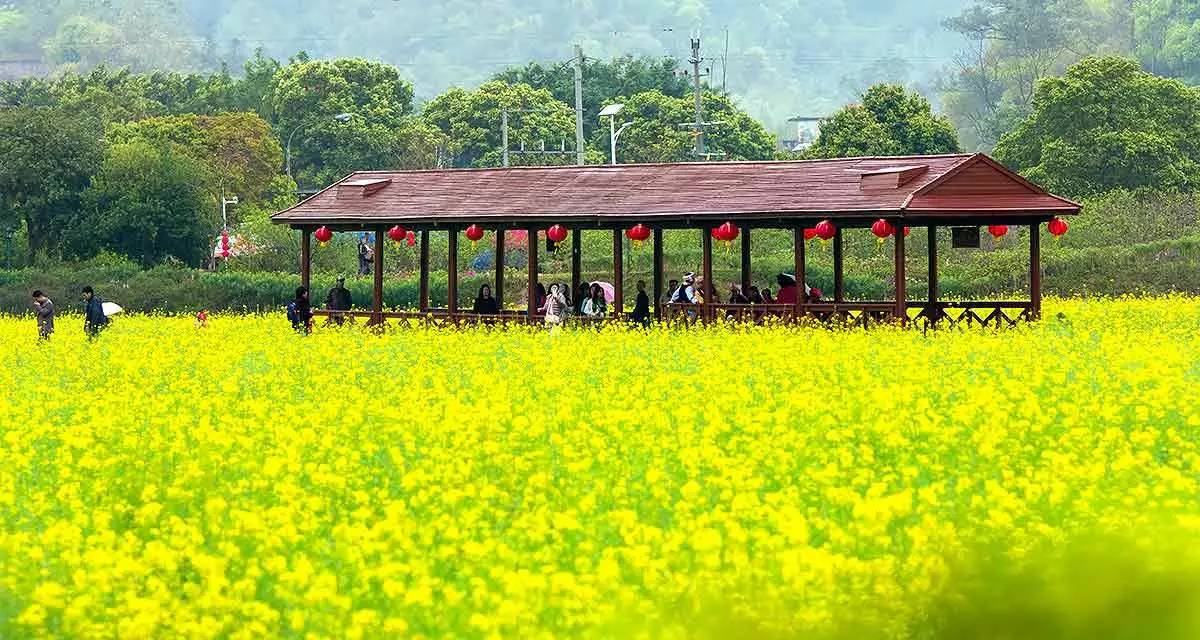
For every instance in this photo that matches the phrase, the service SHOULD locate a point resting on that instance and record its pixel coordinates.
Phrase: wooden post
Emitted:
(799, 268)
(839, 279)
(618, 274)
(932, 314)
(499, 293)
(576, 264)
(305, 257)
(531, 263)
(377, 306)
(901, 294)
(423, 301)
(1035, 271)
(658, 273)
(706, 271)
(745, 259)
(452, 271)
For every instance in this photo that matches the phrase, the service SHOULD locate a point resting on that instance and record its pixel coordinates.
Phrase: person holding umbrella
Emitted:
(595, 306)
(94, 319)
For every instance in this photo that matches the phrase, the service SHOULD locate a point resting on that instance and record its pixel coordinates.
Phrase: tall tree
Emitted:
(1105, 125)
(890, 121)
(47, 157)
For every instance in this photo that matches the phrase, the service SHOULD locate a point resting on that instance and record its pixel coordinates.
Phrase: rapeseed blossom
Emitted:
(242, 481)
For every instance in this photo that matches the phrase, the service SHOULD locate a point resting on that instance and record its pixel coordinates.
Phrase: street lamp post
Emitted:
(614, 133)
(341, 117)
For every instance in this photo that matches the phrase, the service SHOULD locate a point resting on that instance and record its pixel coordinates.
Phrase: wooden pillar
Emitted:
(499, 293)
(799, 268)
(576, 264)
(423, 301)
(531, 263)
(618, 274)
(745, 259)
(305, 257)
(706, 271)
(839, 276)
(1035, 270)
(901, 294)
(452, 271)
(932, 313)
(658, 273)
(377, 301)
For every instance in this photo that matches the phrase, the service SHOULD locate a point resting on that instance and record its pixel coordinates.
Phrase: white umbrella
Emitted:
(111, 308)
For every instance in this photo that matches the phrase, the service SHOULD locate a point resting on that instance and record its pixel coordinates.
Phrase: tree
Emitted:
(46, 159)
(603, 80)
(891, 121)
(146, 204)
(1106, 125)
(238, 150)
(471, 120)
(656, 134)
(1167, 37)
(308, 96)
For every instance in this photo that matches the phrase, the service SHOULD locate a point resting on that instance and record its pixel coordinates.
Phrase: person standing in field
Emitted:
(299, 312)
(94, 320)
(44, 309)
(338, 299)
(555, 308)
(595, 306)
(585, 292)
(485, 303)
(641, 306)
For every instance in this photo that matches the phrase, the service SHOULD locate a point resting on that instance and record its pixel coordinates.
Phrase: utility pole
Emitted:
(579, 148)
(696, 60)
(504, 133)
(725, 62)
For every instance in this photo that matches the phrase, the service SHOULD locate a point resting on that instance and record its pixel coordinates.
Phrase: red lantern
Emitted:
(323, 235)
(397, 233)
(809, 234)
(557, 233)
(998, 231)
(1057, 227)
(727, 232)
(224, 243)
(638, 233)
(411, 238)
(907, 230)
(882, 229)
(825, 230)
(474, 233)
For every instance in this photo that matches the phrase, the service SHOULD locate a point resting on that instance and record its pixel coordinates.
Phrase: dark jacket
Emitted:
(486, 306)
(641, 308)
(338, 299)
(303, 314)
(93, 316)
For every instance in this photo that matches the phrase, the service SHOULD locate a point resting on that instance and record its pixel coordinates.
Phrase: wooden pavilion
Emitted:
(965, 191)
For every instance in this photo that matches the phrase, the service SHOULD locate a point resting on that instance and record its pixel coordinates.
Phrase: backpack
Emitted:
(292, 315)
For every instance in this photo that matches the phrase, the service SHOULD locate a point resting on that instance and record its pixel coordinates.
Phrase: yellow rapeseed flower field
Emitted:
(242, 481)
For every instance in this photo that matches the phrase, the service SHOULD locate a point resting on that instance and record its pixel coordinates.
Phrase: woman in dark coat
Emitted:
(485, 304)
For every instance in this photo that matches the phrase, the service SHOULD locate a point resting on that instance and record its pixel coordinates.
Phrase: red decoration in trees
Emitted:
(638, 233)
(1057, 227)
(224, 243)
(323, 235)
(397, 233)
(882, 229)
(998, 231)
(825, 230)
(557, 233)
(474, 233)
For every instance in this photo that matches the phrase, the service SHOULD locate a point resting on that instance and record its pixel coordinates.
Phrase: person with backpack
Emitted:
(299, 312)
(94, 320)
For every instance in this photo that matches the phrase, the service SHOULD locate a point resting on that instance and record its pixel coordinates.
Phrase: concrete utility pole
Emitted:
(696, 60)
(580, 152)
(504, 133)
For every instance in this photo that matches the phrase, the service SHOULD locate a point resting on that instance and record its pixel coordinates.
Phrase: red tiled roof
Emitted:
(960, 184)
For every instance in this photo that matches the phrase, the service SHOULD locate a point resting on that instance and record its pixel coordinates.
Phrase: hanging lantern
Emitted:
(825, 230)
(809, 234)
(882, 229)
(998, 231)
(727, 232)
(1057, 227)
(397, 233)
(323, 235)
(638, 234)
(411, 237)
(224, 243)
(907, 230)
(557, 233)
(474, 233)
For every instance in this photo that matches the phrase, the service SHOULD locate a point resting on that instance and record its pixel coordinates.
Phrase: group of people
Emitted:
(94, 318)
(556, 304)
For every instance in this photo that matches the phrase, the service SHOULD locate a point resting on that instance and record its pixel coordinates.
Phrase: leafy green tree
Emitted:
(1105, 125)
(603, 80)
(471, 120)
(239, 151)
(656, 134)
(1167, 37)
(146, 204)
(308, 97)
(48, 157)
(890, 121)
